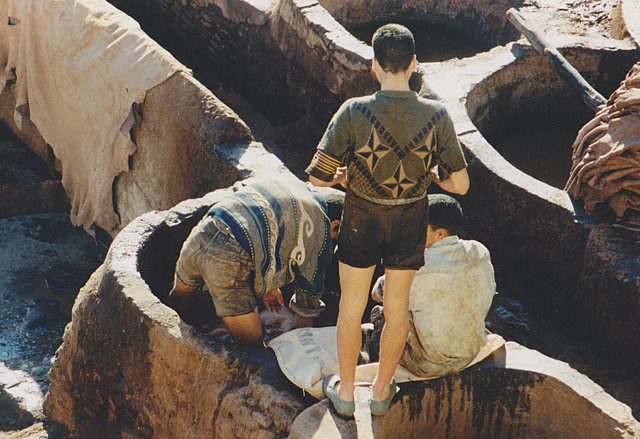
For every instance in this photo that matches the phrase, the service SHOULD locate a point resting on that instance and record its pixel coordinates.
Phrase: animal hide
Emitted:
(78, 67)
(606, 153)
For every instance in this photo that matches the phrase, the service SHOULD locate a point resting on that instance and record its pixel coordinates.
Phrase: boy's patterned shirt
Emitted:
(390, 141)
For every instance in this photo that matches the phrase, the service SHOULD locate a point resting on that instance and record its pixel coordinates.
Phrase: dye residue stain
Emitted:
(433, 43)
(544, 152)
(44, 261)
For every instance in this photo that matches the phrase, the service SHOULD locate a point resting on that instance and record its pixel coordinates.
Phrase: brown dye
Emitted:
(433, 43)
(544, 153)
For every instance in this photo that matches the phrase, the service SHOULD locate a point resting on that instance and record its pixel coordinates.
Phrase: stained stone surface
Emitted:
(26, 183)
(129, 366)
(580, 269)
(43, 263)
(515, 393)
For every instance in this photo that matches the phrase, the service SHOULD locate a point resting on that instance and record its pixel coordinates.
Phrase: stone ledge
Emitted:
(631, 17)
(128, 366)
(253, 12)
(517, 392)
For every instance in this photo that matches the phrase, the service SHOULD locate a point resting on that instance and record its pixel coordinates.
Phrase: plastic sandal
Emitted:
(343, 408)
(379, 408)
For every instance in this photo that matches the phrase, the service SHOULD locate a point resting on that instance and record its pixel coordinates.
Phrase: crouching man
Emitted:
(449, 299)
(255, 241)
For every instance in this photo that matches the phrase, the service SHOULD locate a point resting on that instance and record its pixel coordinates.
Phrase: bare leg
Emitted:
(394, 334)
(354, 283)
(246, 328)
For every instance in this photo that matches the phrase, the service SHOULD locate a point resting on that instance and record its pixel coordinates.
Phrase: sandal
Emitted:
(379, 408)
(343, 407)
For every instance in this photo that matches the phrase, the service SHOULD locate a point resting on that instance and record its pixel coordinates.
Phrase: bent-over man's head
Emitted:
(445, 218)
(335, 202)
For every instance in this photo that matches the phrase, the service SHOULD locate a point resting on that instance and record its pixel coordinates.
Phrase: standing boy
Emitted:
(387, 143)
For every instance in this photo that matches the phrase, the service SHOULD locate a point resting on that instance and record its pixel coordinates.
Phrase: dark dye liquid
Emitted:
(433, 43)
(543, 153)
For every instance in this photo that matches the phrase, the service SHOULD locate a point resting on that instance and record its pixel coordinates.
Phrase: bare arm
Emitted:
(457, 183)
(340, 177)
(182, 290)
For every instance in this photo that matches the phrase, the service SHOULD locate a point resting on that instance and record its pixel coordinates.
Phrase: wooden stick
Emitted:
(589, 95)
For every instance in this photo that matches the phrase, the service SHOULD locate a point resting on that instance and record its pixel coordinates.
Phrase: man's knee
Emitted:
(245, 328)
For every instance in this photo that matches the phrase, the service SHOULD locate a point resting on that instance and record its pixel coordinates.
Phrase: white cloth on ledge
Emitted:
(307, 355)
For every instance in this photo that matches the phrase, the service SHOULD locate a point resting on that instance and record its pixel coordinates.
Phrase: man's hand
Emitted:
(340, 177)
(303, 322)
(273, 300)
(377, 292)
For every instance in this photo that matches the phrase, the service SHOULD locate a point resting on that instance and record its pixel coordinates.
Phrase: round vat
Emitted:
(516, 393)
(531, 116)
(442, 29)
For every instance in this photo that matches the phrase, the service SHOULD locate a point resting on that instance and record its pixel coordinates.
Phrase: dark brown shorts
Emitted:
(370, 232)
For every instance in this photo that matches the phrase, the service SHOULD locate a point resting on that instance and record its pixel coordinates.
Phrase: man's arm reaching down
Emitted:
(377, 293)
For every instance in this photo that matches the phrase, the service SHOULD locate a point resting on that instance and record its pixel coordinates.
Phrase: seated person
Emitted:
(449, 299)
(253, 242)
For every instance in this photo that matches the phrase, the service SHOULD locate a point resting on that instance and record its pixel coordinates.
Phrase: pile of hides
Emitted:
(606, 153)
(78, 67)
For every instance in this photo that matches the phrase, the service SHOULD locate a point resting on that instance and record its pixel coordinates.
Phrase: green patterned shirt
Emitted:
(390, 141)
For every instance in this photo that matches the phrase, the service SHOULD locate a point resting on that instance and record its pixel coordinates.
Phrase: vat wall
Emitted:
(129, 367)
(484, 21)
(289, 54)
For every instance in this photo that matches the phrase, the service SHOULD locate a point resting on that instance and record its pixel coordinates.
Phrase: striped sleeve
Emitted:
(323, 166)
(333, 146)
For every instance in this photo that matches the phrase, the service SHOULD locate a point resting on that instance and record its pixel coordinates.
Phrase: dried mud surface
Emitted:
(589, 18)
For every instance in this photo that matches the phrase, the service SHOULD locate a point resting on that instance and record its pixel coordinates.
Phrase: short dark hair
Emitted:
(445, 213)
(393, 47)
(333, 198)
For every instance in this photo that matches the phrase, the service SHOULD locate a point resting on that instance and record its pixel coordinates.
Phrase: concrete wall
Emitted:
(179, 129)
(129, 367)
(515, 393)
(289, 53)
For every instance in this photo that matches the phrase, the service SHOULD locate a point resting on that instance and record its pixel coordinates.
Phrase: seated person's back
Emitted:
(450, 296)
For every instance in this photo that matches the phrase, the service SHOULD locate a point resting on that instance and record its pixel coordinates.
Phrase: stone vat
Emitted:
(129, 367)
(111, 370)
(516, 393)
(582, 270)
(479, 25)
(287, 54)
(626, 21)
